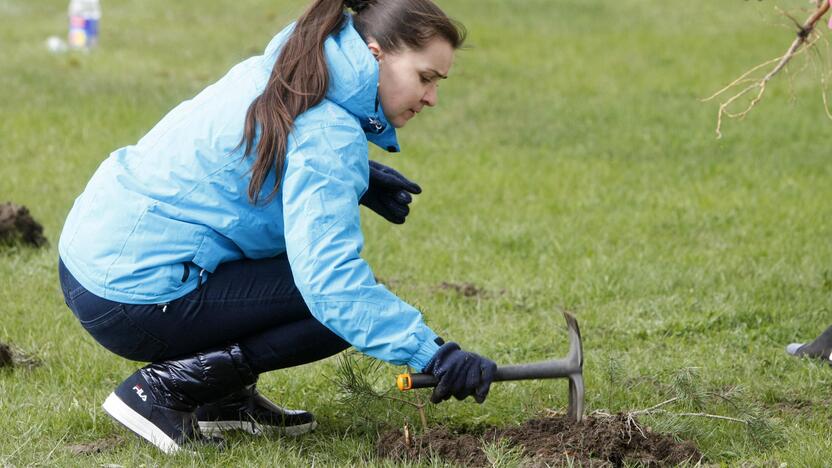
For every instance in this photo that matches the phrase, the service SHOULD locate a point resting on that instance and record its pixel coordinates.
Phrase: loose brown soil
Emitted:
(17, 225)
(547, 441)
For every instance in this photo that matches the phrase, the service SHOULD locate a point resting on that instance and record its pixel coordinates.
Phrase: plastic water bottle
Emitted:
(83, 23)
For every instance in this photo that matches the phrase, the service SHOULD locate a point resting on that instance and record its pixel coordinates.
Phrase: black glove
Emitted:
(461, 374)
(387, 193)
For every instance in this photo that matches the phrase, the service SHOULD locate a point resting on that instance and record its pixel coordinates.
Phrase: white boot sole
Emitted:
(138, 424)
(216, 428)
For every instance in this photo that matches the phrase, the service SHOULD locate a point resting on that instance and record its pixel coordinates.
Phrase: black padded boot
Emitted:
(158, 401)
(249, 411)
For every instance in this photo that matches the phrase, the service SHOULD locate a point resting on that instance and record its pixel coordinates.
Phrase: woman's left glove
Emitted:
(388, 193)
(461, 374)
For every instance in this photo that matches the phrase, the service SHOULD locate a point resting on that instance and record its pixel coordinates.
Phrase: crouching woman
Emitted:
(226, 243)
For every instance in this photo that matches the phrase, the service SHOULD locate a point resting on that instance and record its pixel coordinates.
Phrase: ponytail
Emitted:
(299, 79)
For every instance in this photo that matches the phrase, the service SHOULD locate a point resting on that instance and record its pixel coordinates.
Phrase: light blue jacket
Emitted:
(178, 199)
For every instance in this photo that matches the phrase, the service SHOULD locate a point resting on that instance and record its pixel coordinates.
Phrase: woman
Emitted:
(191, 251)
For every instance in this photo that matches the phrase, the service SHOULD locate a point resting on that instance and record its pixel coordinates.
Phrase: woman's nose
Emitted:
(431, 97)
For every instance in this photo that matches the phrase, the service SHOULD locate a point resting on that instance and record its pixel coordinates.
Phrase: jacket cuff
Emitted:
(425, 352)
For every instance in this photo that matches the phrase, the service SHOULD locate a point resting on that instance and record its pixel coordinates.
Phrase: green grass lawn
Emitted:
(569, 165)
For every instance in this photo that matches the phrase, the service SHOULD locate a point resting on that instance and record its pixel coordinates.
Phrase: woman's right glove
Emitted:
(461, 374)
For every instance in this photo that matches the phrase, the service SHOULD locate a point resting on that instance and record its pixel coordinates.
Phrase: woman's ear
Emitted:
(375, 49)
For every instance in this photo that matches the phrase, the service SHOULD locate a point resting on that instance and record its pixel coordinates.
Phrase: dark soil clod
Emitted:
(552, 440)
(6, 358)
(17, 225)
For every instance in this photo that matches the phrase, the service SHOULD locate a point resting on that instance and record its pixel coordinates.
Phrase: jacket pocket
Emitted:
(117, 332)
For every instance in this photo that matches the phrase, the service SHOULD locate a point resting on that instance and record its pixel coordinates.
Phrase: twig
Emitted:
(701, 415)
(407, 439)
(655, 407)
(804, 37)
(803, 33)
(740, 79)
(712, 416)
(658, 410)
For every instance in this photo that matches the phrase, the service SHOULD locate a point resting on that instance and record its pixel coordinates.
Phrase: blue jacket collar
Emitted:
(353, 81)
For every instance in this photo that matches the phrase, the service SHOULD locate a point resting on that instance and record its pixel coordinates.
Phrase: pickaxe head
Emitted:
(575, 360)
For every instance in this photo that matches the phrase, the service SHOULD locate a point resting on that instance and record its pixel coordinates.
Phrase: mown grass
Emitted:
(569, 165)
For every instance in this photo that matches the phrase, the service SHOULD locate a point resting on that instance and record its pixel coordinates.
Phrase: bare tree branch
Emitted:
(806, 36)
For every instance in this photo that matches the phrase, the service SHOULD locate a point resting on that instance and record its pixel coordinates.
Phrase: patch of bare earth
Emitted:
(463, 289)
(96, 446)
(552, 440)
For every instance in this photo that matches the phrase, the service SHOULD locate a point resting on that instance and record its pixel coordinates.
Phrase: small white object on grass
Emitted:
(793, 347)
(56, 45)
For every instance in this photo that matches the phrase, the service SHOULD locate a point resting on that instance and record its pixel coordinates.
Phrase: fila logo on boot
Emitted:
(140, 392)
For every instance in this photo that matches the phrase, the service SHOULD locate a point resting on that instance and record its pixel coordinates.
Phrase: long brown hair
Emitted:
(299, 79)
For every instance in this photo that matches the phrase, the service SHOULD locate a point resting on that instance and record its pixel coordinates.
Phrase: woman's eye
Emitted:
(424, 79)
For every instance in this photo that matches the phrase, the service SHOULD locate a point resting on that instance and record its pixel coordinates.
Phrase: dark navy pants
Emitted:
(254, 303)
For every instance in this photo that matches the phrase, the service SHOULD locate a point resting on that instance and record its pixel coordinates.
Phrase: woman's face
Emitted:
(408, 79)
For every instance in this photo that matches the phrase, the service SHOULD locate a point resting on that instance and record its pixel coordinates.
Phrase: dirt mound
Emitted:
(10, 357)
(16, 224)
(553, 440)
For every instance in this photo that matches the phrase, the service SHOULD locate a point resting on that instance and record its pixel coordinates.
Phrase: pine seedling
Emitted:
(687, 386)
(694, 401)
(364, 387)
(615, 373)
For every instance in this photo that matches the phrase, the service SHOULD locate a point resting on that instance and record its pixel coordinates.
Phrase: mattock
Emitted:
(571, 367)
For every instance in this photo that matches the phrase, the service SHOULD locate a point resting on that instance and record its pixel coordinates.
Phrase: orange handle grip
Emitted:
(411, 381)
(403, 382)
